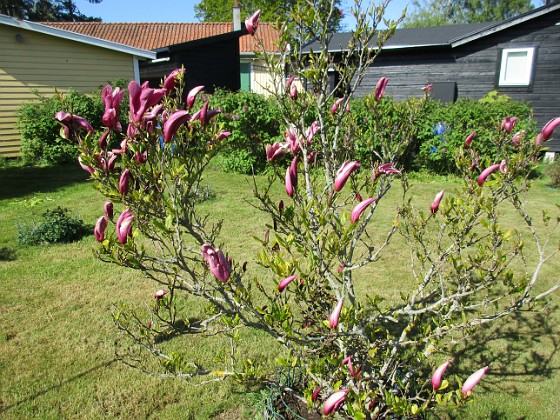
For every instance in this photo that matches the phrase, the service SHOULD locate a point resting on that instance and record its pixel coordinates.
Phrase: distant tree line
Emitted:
(46, 10)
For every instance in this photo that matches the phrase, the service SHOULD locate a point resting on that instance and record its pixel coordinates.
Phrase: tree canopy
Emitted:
(271, 10)
(45, 10)
(447, 12)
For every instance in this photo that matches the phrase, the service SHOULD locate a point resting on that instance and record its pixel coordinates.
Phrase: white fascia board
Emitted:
(73, 36)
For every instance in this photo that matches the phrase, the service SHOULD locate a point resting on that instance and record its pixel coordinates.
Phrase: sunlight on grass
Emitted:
(57, 339)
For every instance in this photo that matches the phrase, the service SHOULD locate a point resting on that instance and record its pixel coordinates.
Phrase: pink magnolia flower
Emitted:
(343, 173)
(172, 124)
(335, 315)
(86, 168)
(438, 375)
(474, 164)
(252, 22)
(160, 293)
(292, 138)
(549, 127)
(171, 79)
(141, 157)
(206, 114)
(103, 139)
(152, 114)
(141, 98)
(124, 226)
(508, 124)
(388, 168)
(472, 380)
(112, 100)
(223, 135)
(337, 103)
(428, 88)
(315, 393)
(108, 209)
(486, 173)
(311, 131)
(191, 96)
(539, 139)
(276, 150)
(359, 208)
(124, 182)
(72, 122)
(517, 138)
(291, 177)
(333, 403)
(503, 168)
(217, 262)
(354, 372)
(289, 83)
(99, 229)
(293, 91)
(469, 139)
(285, 282)
(435, 205)
(380, 88)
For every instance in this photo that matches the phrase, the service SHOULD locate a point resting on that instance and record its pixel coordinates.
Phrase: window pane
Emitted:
(516, 66)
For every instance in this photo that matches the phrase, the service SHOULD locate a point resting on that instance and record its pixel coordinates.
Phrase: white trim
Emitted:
(136, 68)
(73, 36)
(527, 74)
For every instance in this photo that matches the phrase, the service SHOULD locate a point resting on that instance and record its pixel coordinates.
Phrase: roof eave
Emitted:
(504, 25)
(76, 37)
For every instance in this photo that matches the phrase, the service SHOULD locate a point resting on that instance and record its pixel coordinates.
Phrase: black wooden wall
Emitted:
(475, 67)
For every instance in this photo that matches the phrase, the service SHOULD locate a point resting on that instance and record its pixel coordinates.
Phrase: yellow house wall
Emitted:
(37, 62)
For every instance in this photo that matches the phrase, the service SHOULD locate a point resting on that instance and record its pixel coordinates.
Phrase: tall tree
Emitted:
(271, 10)
(45, 10)
(446, 12)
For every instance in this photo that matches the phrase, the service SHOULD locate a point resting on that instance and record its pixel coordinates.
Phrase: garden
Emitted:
(353, 258)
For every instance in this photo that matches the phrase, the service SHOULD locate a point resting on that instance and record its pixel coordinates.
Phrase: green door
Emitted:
(245, 71)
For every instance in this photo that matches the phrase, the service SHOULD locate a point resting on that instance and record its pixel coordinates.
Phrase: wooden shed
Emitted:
(38, 58)
(519, 57)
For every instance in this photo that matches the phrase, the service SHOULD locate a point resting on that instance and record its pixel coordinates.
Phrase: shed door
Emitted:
(245, 71)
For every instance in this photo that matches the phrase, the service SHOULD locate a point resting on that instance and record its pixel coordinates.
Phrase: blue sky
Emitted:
(183, 10)
(175, 10)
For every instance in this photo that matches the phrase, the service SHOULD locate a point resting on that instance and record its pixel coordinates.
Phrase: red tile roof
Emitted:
(150, 36)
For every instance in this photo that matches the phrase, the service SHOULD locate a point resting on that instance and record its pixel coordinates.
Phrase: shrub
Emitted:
(58, 226)
(253, 121)
(438, 145)
(553, 172)
(40, 133)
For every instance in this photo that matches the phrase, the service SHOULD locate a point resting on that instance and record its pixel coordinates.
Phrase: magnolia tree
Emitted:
(357, 356)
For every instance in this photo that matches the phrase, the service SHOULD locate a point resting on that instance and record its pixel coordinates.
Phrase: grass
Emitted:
(57, 352)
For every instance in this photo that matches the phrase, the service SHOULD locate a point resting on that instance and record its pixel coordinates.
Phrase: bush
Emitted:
(58, 226)
(253, 120)
(439, 144)
(40, 133)
(553, 172)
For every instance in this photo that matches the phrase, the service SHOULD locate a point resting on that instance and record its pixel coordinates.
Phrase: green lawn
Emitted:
(57, 354)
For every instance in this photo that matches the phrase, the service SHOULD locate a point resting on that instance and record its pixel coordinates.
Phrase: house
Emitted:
(185, 43)
(38, 58)
(519, 57)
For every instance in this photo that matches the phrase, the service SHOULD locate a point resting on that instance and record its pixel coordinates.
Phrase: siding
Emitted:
(40, 63)
(475, 67)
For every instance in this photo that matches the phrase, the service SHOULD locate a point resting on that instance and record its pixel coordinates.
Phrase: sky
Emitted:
(181, 10)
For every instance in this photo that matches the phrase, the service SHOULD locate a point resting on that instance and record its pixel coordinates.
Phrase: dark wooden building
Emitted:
(519, 57)
(212, 62)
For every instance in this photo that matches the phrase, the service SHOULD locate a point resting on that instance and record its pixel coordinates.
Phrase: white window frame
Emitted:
(529, 65)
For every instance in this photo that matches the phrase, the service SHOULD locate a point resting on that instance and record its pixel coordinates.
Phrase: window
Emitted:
(517, 66)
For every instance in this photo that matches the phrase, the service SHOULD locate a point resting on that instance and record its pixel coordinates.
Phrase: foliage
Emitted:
(40, 138)
(437, 149)
(57, 226)
(271, 10)
(353, 352)
(450, 12)
(45, 10)
(553, 172)
(253, 120)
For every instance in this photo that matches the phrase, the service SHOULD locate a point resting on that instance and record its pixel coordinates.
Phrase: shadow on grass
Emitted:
(520, 349)
(57, 386)
(7, 254)
(20, 181)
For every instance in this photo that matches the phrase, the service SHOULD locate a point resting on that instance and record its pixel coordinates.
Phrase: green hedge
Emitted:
(40, 133)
